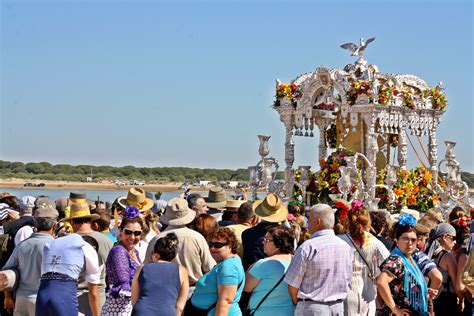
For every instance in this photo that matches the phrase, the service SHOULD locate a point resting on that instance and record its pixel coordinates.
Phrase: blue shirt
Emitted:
(27, 257)
(228, 272)
(269, 272)
(424, 262)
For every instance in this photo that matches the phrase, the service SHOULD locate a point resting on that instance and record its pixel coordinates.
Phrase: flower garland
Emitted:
(357, 88)
(330, 174)
(414, 188)
(290, 90)
(387, 91)
(439, 100)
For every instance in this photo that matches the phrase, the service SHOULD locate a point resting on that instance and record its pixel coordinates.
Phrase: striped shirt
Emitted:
(321, 268)
(424, 262)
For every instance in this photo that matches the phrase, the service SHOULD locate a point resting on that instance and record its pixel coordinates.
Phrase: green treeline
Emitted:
(47, 171)
(469, 178)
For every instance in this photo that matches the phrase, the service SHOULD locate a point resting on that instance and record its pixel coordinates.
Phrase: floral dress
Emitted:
(394, 266)
(120, 272)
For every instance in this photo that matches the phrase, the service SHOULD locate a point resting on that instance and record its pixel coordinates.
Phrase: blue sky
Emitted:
(190, 83)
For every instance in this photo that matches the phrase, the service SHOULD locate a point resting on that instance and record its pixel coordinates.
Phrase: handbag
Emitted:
(369, 268)
(191, 310)
(248, 313)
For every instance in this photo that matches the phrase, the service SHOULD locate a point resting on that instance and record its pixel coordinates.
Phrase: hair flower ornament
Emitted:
(343, 209)
(463, 221)
(407, 220)
(298, 201)
(291, 217)
(356, 204)
(131, 212)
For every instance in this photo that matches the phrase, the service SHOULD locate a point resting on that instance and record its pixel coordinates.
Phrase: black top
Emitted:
(252, 241)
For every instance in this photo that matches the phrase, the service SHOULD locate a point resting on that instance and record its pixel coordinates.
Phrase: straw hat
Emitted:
(80, 210)
(216, 198)
(233, 205)
(136, 197)
(177, 212)
(271, 209)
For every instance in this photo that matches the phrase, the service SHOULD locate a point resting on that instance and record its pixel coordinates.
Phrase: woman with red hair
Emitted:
(369, 253)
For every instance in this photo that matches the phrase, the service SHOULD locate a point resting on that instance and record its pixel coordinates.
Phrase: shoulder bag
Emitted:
(265, 297)
(191, 310)
(371, 273)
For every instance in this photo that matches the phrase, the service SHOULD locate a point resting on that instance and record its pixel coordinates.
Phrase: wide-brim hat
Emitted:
(233, 205)
(136, 197)
(177, 213)
(406, 211)
(216, 198)
(80, 210)
(271, 209)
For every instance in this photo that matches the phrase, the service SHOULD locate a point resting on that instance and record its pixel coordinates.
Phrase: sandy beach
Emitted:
(70, 185)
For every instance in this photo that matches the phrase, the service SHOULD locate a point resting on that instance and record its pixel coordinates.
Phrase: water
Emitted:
(106, 195)
(91, 194)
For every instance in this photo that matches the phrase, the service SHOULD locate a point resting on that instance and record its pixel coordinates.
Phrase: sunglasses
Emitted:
(216, 244)
(451, 237)
(407, 239)
(130, 232)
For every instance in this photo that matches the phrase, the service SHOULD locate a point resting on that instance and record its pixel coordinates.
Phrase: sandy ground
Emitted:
(62, 185)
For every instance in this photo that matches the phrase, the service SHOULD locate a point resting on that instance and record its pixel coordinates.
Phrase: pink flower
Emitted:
(356, 204)
(291, 217)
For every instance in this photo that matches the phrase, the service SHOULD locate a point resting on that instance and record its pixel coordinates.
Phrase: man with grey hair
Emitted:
(26, 258)
(320, 273)
(197, 203)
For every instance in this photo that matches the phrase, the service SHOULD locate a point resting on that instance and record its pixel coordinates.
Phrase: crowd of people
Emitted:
(214, 255)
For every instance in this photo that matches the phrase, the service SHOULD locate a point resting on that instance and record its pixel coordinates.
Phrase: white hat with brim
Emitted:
(414, 213)
(136, 197)
(80, 210)
(177, 213)
(271, 209)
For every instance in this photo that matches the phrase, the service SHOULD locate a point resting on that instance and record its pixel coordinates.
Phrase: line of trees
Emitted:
(47, 171)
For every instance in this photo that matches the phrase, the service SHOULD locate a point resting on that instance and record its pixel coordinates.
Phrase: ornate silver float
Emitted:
(363, 110)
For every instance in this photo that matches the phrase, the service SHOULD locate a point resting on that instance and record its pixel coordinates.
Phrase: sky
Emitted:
(191, 83)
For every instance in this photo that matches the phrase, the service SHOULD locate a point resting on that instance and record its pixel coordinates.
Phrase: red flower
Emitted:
(293, 87)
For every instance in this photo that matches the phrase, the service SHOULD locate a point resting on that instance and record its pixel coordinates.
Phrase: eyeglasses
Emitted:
(451, 237)
(267, 240)
(407, 239)
(216, 244)
(130, 232)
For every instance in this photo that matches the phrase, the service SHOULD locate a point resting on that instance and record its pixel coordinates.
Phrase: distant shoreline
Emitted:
(89, 186)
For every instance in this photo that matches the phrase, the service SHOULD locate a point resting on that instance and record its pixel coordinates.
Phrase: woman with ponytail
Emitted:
(401, 284)
(369, 253)
(161, 287)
